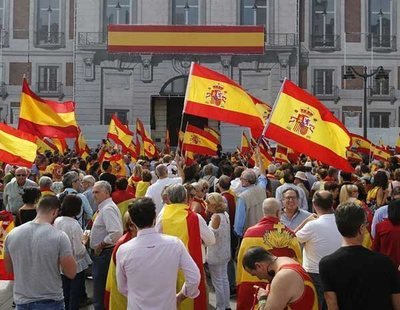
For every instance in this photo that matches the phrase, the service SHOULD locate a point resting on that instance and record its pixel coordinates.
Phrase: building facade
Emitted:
(61, 47)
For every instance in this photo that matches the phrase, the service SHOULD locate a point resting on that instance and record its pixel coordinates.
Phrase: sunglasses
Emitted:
(20, 175)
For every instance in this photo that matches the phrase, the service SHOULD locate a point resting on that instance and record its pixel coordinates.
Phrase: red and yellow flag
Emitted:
(45, 118)
(245, 147)
(212, 95)
(215, 133)
(281, 153)
(147, 147)
(81, 147)
(119, 133)
(353, 156)
(6, 224)
(397, 149)
(45, 145)
(379, 153)
(61, 144)
(303, 123)
(17, 147)
(360, 144)
(167, 143)
(199, 141)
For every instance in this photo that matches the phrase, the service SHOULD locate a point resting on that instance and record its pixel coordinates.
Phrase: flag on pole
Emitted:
(215, 133)
(353, 156)
(17, 147)
(301, 122)
(45, 145)
(212, 95)
(360, 144)
(61, 144)
(45, 118)
(379, 153)
(245, 147)
(167, 143)
(199, 141)
(119, 133)
(147, 147)
(281, 154)
(81, 147)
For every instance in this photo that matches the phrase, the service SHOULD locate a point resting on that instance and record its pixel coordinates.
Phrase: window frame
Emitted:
(48, 91)
(187, 23)
(380, 115)
(267, 7)
(324, 71)
(372, 41)
(122, 115)
(326, 43)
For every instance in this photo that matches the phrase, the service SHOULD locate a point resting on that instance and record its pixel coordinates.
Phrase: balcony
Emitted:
(381, 43)
(382, 94)
(326, 93)
(50, 39)
(3, 91)
(92, 40)
(280, 41)
(50, 89)
(4, 38)
(325, 43)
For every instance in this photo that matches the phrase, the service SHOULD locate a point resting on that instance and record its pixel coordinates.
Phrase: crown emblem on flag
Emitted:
(216, 95)
(302, 122)
(194, 139)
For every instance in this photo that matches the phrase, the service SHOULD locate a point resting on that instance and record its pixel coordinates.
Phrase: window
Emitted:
(121, 114)
(185, 12)
(323, 82)
(380, 87)
(323, 23)
(253, 12)
(380, 23)
(48, 23)
(118, 12)
(379, 119)
(48, 77)
(2, 14)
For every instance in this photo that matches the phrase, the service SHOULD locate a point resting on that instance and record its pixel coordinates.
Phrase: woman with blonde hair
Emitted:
(135, 178)
(218, 254)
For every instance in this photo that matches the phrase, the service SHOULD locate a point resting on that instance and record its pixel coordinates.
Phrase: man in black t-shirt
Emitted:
(354, 277)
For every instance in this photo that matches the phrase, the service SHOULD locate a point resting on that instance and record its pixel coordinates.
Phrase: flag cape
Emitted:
(360, 144)
(45, 118)
(199, 141)
(176, 221)
(119, 133)
(116, 161)
(212, 95)
(304, 124)
(17, 147)
(6, 224)
(273, 236)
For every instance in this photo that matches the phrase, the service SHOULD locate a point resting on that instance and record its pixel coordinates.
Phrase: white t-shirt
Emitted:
(154, 191)
(320, 237)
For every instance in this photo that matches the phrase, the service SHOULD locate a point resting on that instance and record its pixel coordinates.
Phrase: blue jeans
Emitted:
(320, 290)
(99, 273)
(42, 305)
(73, 290)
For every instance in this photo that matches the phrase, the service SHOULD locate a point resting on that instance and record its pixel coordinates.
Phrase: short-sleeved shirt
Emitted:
(361, 279)
(35, 251)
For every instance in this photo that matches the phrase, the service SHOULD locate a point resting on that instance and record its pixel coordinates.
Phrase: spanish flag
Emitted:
(45, 118)
(81, 147)
(61, 144)
(303, 123)
(6, 224)
(119, 133)
(167, 142)
(266, 158)
(353, 156)
(379, 153)
(281, 153)
(147, 147)
(360, 144)
(212, 95)
(17, 147)
(179, 221)
(245, 147)
(397, 149)
(45, 145)
(199, 141)
(215, 133)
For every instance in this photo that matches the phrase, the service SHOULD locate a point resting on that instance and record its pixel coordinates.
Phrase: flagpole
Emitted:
(272, 111)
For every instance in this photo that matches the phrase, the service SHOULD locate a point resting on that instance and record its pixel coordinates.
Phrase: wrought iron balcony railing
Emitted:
(381, 42)
(327, 42)
(50, 89)
(382, 94)
(326, 92)
(50, 39)
(92, 40)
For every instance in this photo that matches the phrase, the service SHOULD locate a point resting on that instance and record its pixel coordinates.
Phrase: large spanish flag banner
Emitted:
(179, 39)
(179, 221)
(304, 124)
(17, 147)
(119, 133)
(360, 144)
(212, 95)
(45, 118)
(199, 141)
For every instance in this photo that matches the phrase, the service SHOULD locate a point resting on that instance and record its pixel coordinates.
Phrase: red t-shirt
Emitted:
(387, 240)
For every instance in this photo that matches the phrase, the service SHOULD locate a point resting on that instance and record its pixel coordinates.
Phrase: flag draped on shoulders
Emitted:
(179, 221)
(45, 118)
(199, 141)
(301, 122)
(17, 147)
(6, 224)
(212, 95)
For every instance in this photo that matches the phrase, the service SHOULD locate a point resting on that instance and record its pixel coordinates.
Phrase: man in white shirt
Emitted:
(147, 266)
(320, 237)
(154, 191)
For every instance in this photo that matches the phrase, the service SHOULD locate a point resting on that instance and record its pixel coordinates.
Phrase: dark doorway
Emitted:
(174, 116)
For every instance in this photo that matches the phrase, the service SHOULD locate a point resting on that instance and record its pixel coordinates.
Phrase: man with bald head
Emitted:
(12, 196)
(270, 234)
(154, 190)
(320, 237)
(249, 202)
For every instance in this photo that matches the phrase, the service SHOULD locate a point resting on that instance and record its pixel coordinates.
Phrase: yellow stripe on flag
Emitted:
(18, 146)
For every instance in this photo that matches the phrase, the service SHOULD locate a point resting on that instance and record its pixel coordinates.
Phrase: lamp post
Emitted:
(379, 74)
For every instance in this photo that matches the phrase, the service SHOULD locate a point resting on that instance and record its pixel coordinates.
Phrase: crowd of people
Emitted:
(150, 232)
